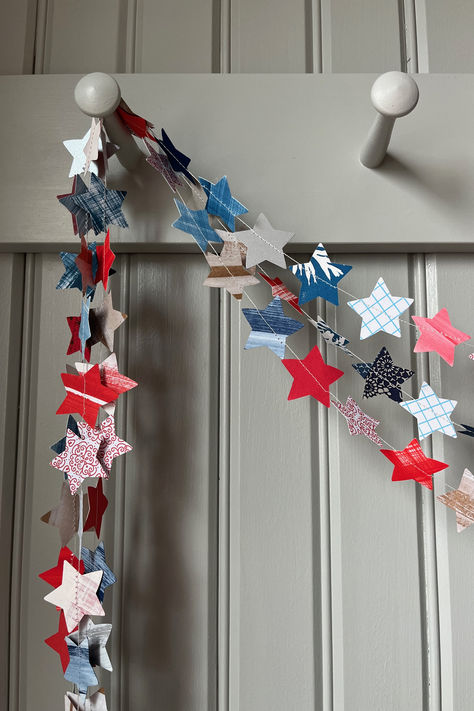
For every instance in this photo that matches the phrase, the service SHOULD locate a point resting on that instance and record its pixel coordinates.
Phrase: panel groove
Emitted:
(426, 523)
(314, 55)
(41, 24)
(408, 42)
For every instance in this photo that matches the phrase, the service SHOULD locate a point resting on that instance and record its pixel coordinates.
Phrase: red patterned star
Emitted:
(84, 264)
(54, 576)
(85, 395)
(358, 421)
(58, 641)
(97, 505)
(110, 377)
(135, 123)
(109, 444)
(312, 376)
(412, 463)
(74, 323)
(279, 289)
(438, 334)
(79, 460)
(106, 258)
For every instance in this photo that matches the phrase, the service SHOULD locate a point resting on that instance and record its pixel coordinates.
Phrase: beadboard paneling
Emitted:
(447, 30)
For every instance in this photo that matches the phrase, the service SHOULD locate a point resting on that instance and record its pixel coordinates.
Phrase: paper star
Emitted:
(96, 702)
(58, 642)
(412, 463)
(60, 446)
(431, 412)
(319, 277)
(80, 218)
(79, 460)
(227, 270)
(71, 279)
(105, 258)
(380, 311)
(383, 377)
(84, 326)
(104, 320)
(162, 164)
(270, 327)
(437, 334)
(79, 671)
(76, 148)
(97, 505)
(329, 335)
(75, 345)
(65, 516)
(91, 149)
(312, 376)
(462, 501)
(358, 421)
(468, 430)
(97, 636)
(220, 201)
(110, 377)
(110, 445)
(95, 560)
(196, 223)
(83, 263)
(77, 595)
(179, 162)
(85, 395)
(264, 243)
(136, 124)
(104, 206)
(53, 576)
(279, 289)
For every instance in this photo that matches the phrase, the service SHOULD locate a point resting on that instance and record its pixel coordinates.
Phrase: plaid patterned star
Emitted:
(380, 311)
(412, 463)
(431, 412)
(220, 201)
(80, 218)
(358, 422)
(104, 206)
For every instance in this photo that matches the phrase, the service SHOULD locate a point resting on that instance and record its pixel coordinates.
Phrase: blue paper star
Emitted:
(220, 201)
(72, 278)
(84, 326)
(196, 223)
(79, 670)
(179, 162)
(95, 560)
(80, 218)
(432, 412)
(468, 430)
(60, 446)
(319, 277)
(104, 206)
(270, 327)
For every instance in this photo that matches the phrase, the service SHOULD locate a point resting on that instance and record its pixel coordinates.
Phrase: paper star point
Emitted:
(439, 335)
(54, 576)
(57, 642)
(95, 560)
(330, 335)
(358, 421)
(311, 376)
(319, 277)
(412, 463)
(279, 289)
(76, 595)
(227, 270)
(195, 223)
(65, 516)
(97, 506)
(270, 327)
(380, 311)
(432, 412)
(462, 501)
(179, 162)
(220, 201)
(104, 320)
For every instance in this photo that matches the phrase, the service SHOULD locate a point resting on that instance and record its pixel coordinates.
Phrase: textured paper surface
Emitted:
(97, 506)
(103, 206)
(462, 501)
(432, 412)
(79, 460)
(319, 277)
(270, 327)
(65, 516)
(412, 463)
(220, 201)
(227, 270)
(358, 421)
(380, 311)
(195, 223)
(264, 243)
(85, 395)
(311, 376)
(383, 377)
(279, 289)
(77, 595)
(439, 335)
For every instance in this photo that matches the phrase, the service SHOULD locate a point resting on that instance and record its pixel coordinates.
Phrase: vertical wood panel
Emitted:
(270, 36)
(376, 608)
(176, 36)
(17, 34)
(446, 28)
(362, 36)
(454, 551)
(170, 525)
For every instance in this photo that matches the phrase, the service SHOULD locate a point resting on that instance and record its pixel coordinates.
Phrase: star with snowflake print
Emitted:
(319, 277)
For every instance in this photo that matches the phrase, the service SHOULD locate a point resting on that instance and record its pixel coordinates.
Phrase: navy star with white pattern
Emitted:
(319, 277)
(383, 377)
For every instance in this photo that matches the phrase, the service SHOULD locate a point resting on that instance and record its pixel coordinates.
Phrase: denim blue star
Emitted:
(79, 670)
(319, 277)
(270, 327)
(80, 219)
(95, 560)
(196, 223)
(104, 206)
(220, 201)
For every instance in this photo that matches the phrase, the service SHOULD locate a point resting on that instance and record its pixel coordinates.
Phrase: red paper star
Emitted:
(74, 346)
(84, 264)
(54, 576)
(279, 289)
(135, 123)
(412, 463)
(97, 505)
(437, 334)
(312, 376)
(85, 395)
(58, 642)
(358, 421)
(106, 258)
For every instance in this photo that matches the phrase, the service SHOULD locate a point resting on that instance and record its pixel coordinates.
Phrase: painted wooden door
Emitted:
(265, 559)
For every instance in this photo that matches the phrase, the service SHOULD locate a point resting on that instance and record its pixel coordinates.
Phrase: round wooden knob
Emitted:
(97, 94)
(394, 94)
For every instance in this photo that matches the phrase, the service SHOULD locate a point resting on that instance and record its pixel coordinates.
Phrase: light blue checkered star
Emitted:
(196, 223)
(220, 201)
(431, 412)
(380, 311)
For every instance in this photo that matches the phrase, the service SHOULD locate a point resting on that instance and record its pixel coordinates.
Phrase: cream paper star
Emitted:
(77, 595)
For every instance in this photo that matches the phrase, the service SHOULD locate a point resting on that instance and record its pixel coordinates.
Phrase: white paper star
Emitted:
(431, 412)
(96, 702)
(76, 146)
(77, 595)
(98, 636)
(380, 311)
